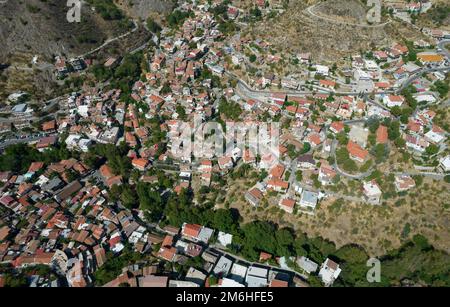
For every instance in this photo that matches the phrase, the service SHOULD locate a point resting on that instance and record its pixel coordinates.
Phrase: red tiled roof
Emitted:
(356, 151)
(288, 202)
(382, 134)
(277, 171)
(337, 126)
(192, 230)
(278, 183)
(35, 166)
(139, 162)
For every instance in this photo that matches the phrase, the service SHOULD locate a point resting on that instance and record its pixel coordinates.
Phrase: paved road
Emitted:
(418, 74)
(433, 175)
(28, 139)
(244, 89)
(442, 45)
(343, 173)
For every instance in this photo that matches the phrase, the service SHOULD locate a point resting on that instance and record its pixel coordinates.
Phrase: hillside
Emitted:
(40, 28)
(328, 29)
(143, 8)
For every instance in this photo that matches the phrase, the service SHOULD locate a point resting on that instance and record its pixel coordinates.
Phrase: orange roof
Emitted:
(314, 138)
(275, 283)
(327, 83)
(167, 253)
(114, 180)
(356, 151)
(382, 84)
(4, 231)
(337, 126)
(430, 58)
(248, 156)
(291, 109)
(167, 242)
(437, 129)
(106, 171)
(35, 166)
(139, 162)
(401, 48)
(156, 99)
(130, 138)
(206, 163)
(223, 161)
(278, 183)
(191, 230)
(277, 171)
(50, 125)
(282, 149)
(288, 202)
(382, 134)
(255, 192)
(181, 186)
(396, 98)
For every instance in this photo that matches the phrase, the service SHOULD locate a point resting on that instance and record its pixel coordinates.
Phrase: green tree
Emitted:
(153, 26)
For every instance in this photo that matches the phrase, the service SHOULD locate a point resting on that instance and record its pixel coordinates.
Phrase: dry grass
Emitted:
(377, 228)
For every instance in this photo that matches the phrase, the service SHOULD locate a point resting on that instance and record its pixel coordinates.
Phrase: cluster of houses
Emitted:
(63, 66)
(421, 132)
(63, 219)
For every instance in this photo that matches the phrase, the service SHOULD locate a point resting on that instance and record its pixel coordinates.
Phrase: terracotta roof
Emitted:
(275, 283)
(314, 138)
(277, 171)
(329, 83)
(278, 183)
(255, 192)
(337, 126)
(191, 230)
(35, 166)
(331, 264)
(382, 134)
(139, 162)
(430, 58)
(356, 151)
(168, 241)
(106, 171)
(50, 125)
(114, 180)
(288, 202)
(167, 253)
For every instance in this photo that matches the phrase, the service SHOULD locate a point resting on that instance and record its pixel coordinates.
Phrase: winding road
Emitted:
(310, 11)
(111, 40)
(343, 173)
(444, 51)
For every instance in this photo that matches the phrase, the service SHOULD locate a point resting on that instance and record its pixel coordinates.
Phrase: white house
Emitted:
(329, 272)
(372, 192)
(393, 100)
(444, 164)
(323, 70)
(309, 199)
